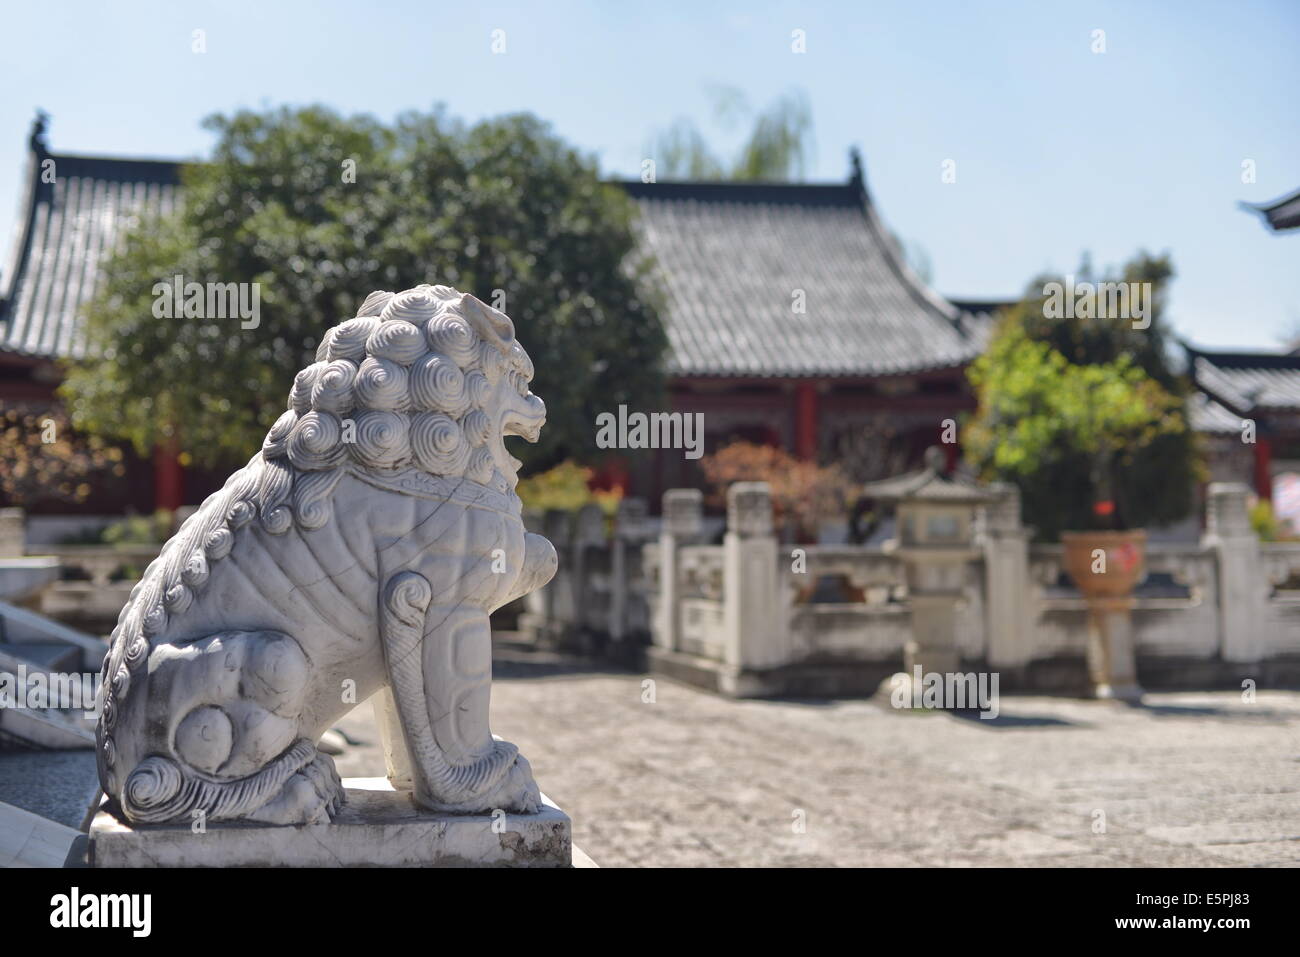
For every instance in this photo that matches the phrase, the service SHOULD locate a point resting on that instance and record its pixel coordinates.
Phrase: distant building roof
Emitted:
(989, 307)
(737, 259)
(1282, 213)
(1211, 417)
(64, 230)
(734, 257)
(1246, 382)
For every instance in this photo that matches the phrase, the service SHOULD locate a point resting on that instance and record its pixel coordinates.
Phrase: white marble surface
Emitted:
(375, 827)
(359, 553)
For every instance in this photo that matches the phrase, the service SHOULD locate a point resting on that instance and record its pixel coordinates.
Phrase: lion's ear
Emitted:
(492, 325)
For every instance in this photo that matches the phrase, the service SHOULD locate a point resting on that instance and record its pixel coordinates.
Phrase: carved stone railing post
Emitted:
(588, 533)
(1006, 576)
(1242, 587)
(629, 527)
(683, 519)
(13, 533)
(556, 597)
(755, 629)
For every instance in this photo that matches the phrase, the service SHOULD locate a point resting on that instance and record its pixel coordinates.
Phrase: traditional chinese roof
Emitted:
(738, 259)
(732, 257)
(1210, 417)
(1282, 213)
(65, 229)
(1248, 382)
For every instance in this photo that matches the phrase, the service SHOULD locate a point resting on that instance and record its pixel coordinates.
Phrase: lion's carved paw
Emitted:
(312, 796)
(515, 792)
(518, 792)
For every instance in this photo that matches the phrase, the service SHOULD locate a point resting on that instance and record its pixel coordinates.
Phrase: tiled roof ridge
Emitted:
(1276, 203)
(1247, 382)
(1245, 358)
(162, 170)
(16, 262)
(837, 194)
(925, 296)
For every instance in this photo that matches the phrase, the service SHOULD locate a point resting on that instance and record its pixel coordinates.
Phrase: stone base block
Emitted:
(378, 827)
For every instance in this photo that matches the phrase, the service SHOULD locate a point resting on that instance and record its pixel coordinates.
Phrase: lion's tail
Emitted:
(161, 789)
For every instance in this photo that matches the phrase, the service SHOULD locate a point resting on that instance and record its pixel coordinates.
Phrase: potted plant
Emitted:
(1085, 417)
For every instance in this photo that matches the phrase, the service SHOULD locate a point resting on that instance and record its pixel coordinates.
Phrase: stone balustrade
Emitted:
(93, 583)
(96, 583)
(752, 616)
(755, 617)
(597, 599)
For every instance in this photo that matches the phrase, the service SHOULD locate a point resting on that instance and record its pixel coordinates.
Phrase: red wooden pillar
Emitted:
(1264, 468)
(168, 476)
(805, 422)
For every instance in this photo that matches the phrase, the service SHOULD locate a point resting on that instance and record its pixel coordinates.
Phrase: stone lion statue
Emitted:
(360, 551)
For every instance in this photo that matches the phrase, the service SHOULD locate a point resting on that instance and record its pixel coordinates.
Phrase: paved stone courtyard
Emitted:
(697, 780)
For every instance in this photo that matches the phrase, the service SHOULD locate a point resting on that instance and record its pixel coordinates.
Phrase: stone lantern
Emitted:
(934, 536)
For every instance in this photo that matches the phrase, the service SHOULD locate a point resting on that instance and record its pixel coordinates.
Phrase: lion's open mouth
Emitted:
(525, 422)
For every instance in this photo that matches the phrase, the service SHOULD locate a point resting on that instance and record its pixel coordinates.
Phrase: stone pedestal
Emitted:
(377, 827)
(1112, 658)
(1005, 542)
(1106, 566)
(933, 645)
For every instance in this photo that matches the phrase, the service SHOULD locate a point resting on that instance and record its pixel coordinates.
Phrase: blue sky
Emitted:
(1058, 150)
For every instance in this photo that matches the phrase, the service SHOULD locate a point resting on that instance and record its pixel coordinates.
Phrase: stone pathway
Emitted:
(693, 779)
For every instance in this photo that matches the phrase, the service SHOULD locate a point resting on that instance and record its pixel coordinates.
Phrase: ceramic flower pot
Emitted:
(1106, 567)
(1105, 564)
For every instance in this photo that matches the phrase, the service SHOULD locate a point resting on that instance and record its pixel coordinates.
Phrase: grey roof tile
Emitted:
(1206, 415)
(72, 224)
(1246, 381)
(732, 255)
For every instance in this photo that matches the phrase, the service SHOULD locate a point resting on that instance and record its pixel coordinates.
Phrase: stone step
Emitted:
(22, 626)
(46, 801)
(29, 840)
(43, 656)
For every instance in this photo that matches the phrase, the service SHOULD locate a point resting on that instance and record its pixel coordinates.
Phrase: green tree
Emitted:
(777, 148)
(321, 209)
(1085, 415)
(1106, 335)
